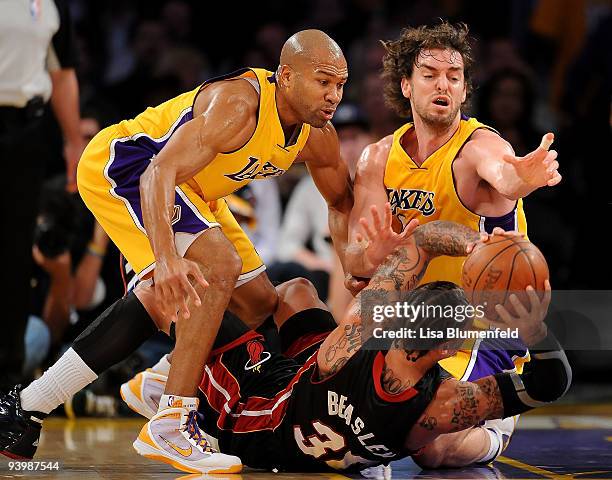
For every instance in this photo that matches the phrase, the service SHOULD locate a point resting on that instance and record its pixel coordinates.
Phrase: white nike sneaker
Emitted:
(173, 436)
(142, 393)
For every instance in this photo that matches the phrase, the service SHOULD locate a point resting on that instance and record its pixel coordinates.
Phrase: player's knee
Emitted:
(296, 287)
(295, 296)
(260, 309)
(430, 456)
(453, 450)
(225, 267)
(145, 292)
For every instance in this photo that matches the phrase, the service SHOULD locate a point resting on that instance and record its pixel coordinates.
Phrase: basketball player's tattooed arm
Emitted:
(401, 271)
(513, 177)
(224, 119)
(460, 405)
(457, 406)
(330, 173)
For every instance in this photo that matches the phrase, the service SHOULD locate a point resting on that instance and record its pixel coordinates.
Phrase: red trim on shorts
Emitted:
(250, 335)
(303, 343)
(256, 413)
(377, 369)
(122, 270)
(215, 396)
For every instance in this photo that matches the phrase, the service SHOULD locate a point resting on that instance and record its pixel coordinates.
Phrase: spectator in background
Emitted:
(37, 52)
(70, 263)
(506, 102)
(257, 209)
(68, 277)
(148, 42)
(178, 18)
(562, 24)
(354, 134)
(186, 64)
(383, 121)
(304, 248)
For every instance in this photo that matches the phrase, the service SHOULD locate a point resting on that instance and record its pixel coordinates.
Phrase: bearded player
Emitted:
(443, 165)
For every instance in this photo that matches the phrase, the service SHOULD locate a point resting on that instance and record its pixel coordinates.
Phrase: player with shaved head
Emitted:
(156, 185)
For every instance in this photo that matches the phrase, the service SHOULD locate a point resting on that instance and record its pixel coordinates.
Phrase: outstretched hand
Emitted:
(538, 168)
(380, 238)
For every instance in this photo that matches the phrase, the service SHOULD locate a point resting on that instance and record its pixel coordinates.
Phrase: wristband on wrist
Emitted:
(95, 250)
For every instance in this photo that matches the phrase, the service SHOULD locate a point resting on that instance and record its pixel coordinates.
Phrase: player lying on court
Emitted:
(336, 400)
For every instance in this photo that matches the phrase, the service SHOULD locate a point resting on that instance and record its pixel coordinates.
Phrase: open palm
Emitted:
(540, 167)
(380, 237)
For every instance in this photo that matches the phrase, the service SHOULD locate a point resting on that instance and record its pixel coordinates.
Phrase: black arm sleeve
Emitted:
(545, 379)
(64, 43)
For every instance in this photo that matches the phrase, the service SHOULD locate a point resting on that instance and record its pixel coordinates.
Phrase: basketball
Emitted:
(502, 266)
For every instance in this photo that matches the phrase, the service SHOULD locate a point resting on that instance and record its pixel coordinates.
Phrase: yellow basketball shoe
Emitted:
(142, 393)
(173, 436)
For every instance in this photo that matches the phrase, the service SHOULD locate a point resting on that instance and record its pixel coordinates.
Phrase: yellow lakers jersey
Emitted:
(266, 154)
(427, 192)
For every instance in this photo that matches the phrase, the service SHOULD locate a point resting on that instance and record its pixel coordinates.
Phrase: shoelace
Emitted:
(192, 428)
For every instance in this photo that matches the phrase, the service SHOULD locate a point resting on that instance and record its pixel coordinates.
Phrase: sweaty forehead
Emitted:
(331, 67)
(439, 58)
(331, 62)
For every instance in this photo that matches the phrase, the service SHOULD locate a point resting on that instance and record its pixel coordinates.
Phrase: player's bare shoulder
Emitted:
(373, 159)
(229, 109)
(321, 142)
(482, 144)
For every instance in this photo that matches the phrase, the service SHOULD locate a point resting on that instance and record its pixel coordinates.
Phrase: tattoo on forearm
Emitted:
(391, 383)
(337, 365)
(445, 238)
(428, 423)
(348, 343)
(490, 390)
(402, 270)
(465, 411)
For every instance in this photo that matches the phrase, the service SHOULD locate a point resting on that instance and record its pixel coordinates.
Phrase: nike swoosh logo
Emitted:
(185, 452)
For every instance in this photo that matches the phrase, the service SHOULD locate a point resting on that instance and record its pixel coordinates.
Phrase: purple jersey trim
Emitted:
(130, 156)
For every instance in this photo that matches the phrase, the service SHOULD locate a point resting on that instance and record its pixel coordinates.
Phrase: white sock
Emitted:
(169, 401)
(163, 366)
(62, 380)
(495, 446)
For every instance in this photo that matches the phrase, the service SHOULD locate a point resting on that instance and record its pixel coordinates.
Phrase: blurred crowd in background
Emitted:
(541, 65)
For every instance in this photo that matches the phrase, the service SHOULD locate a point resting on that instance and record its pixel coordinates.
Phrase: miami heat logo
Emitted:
(257, 355)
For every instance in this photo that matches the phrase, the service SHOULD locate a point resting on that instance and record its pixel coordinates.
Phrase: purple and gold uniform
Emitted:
(427, 192)
(110, 169)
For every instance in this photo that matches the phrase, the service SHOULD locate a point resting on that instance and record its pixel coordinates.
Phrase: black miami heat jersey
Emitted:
(273, 411)
(348, 421)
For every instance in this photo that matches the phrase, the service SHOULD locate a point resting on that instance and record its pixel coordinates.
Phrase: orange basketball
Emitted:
(500, 267)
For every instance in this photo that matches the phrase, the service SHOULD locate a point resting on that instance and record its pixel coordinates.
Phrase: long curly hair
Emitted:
(402, 54)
